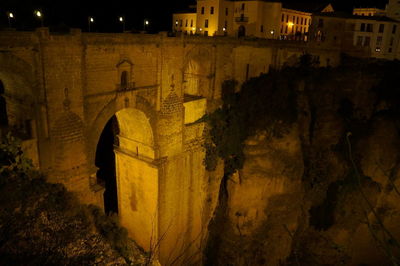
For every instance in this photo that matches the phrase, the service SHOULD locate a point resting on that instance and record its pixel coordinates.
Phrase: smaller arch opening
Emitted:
(105, 161)
(3, 107)
(124, 79)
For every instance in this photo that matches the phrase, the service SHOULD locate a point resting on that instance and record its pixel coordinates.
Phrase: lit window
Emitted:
(377, 49)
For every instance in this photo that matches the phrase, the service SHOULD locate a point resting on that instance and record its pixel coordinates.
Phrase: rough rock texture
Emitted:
(327, 192)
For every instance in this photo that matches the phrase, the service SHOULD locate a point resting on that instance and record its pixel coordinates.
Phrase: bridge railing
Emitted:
(124, 87)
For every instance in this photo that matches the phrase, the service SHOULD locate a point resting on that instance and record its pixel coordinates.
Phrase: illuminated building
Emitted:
(262, 19)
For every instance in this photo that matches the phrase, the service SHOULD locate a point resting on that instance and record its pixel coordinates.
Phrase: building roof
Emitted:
(350, 16)
(306, 7)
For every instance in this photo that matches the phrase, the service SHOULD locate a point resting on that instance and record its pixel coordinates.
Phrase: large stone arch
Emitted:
(111, 108)
(135, 174)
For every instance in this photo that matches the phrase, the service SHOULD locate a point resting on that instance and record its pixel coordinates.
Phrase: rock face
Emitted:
(326, 192)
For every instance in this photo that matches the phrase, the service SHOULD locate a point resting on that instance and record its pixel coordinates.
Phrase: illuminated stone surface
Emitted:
(165, 196)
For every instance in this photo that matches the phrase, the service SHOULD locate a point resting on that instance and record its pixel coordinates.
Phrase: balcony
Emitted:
(127, 86)
(242, 19)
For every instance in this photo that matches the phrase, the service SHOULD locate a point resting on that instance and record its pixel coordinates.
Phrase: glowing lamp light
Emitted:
(272, 32)
(10, 15)
(38, 13)
(176, 23)
(193, 28)
(224, 29)
(91, 19)
(121, 19)
(290, 24)
(146, 22)
(201, 29)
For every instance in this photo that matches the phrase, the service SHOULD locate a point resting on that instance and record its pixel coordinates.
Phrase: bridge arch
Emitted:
(18, 95)
(124, 155)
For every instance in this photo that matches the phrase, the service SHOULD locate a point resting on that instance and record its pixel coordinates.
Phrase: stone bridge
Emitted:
(114, 118)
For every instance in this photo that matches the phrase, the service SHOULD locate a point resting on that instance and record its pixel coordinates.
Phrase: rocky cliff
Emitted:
(319, 180)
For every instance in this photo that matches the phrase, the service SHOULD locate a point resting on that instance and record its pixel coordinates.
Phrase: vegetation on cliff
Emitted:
(43, 224)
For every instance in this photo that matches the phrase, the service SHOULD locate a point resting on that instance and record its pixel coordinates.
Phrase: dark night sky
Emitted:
(74, 13)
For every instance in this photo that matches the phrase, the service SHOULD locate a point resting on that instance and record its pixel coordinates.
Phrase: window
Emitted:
(370, 27)
(226, 11)
(205, 33)
(297, 20)
(301, 21)
(186, 23)
(206, 23)
(320, 23)
(124, 80)
(212, 10)
(243, 6)
(191, 23)
(176, 23)
(283, 18)
(287, 18)
(367, 41)
(262, 28)
(281, 28)
(391, 41)
(286, 29)
(394, 29)
(362, 27)
(359, 41)
(305, 21)
(202, 10)
(379, 41)
(381, 28)
(390, 50)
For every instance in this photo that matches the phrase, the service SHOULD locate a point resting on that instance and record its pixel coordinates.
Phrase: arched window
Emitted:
(124, 80)
(3, 108)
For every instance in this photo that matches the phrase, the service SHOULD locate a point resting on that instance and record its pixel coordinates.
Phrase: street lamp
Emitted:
(122, 20)
(39, 15)
(90, 21)
(145, 24)
(10, 16)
